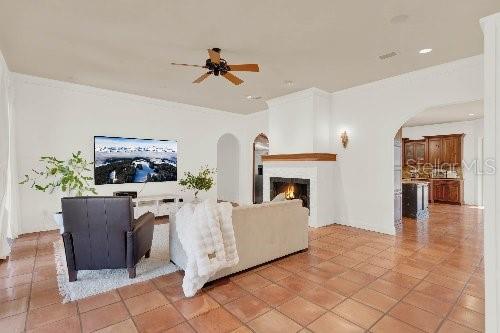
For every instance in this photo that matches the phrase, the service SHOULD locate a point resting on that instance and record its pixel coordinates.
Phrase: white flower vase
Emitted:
(58, 218)
(196, 200)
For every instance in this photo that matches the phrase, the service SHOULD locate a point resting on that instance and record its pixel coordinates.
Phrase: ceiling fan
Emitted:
(218, 66)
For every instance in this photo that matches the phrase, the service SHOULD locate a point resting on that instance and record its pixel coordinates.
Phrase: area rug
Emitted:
(95, 282)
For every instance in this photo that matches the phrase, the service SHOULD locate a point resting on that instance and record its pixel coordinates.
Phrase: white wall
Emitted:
(228, 158)
(5, 135)
(300, 122)
(4, 125)
(473, 131)
(57, 118)
(291, 124)
(9, 208)
(491, 30)
(372, 114)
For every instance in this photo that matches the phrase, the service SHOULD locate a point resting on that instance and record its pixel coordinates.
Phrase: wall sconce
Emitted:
(344, 139)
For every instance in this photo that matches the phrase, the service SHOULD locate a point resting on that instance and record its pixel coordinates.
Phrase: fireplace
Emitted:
(293, 188)
(314, 176)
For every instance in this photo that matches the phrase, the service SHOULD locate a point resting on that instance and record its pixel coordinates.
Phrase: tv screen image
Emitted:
(127, 160)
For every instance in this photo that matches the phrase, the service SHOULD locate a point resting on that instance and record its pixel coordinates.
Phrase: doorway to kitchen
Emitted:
(260, 148)
(441, 150)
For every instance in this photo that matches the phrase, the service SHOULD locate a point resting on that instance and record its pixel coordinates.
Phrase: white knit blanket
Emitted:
(206, 233)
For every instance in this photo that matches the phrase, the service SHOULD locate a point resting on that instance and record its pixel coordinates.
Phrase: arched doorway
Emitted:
(440, 147)
(228, 166)
(260, 148)
(398, 176)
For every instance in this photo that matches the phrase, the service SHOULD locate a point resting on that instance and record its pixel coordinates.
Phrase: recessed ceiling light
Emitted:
(471, 114)
(425, 51)
(251, 97)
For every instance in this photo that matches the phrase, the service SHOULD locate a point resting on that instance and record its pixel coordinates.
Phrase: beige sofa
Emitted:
(263, 232)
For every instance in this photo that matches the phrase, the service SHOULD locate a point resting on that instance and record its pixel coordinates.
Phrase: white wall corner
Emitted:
(322, 121)
(491, 30)
(295, 95)
(300, 122)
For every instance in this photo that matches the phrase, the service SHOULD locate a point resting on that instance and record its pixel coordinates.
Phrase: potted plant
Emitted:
(203, 181)
(68, 177)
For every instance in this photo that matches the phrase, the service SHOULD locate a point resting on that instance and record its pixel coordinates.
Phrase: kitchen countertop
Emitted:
(408, 181)
(416, 180)
(427, 180)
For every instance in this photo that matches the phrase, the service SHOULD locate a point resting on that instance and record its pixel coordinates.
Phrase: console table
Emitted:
(159, 205)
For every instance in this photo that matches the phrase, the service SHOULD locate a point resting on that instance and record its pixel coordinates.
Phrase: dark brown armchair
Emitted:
(101, 233)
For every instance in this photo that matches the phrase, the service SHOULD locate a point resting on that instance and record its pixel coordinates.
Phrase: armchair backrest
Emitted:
(98, 227)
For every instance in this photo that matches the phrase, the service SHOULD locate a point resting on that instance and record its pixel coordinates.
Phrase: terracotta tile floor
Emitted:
(428, 278)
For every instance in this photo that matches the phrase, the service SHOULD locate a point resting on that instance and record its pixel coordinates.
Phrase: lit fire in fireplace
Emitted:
(289, 192)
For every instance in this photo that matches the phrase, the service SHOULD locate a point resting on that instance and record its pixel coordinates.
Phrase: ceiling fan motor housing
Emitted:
(217, 69)
(218, 66)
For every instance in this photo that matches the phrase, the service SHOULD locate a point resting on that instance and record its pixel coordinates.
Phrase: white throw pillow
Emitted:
(279, 197)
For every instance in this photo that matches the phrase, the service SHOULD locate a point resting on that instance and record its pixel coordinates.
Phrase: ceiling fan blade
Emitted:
(173, 63)
(214, 56)
(234, 79)
(203, 77)
(244, 68)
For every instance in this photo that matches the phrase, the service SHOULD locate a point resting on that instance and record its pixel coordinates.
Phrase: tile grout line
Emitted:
(443, 319)
(126, 308)
(31, 285)
(455, 304)
(364, 286)
(337, 275)
(401, 301)
(405, 295)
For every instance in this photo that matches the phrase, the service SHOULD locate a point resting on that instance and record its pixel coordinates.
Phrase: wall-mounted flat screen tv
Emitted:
(127, 160)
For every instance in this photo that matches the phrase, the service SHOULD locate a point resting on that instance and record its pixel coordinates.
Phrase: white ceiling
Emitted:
(127, 45)
(448, 114)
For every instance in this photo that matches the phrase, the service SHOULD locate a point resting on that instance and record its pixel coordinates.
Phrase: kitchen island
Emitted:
(415, 199)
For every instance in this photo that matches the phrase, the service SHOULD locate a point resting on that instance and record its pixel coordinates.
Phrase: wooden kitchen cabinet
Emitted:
(409, 149)
(434, 150)
(414, 151)
(447, 191)
(451, 150)
(453, 192)
(437, 191)
(419, 152)
(445, 150)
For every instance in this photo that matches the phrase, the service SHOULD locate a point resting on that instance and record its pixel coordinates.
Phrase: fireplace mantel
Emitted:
(325, 157)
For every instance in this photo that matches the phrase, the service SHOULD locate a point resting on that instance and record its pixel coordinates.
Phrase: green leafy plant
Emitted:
(203, 181)
(69, 176)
